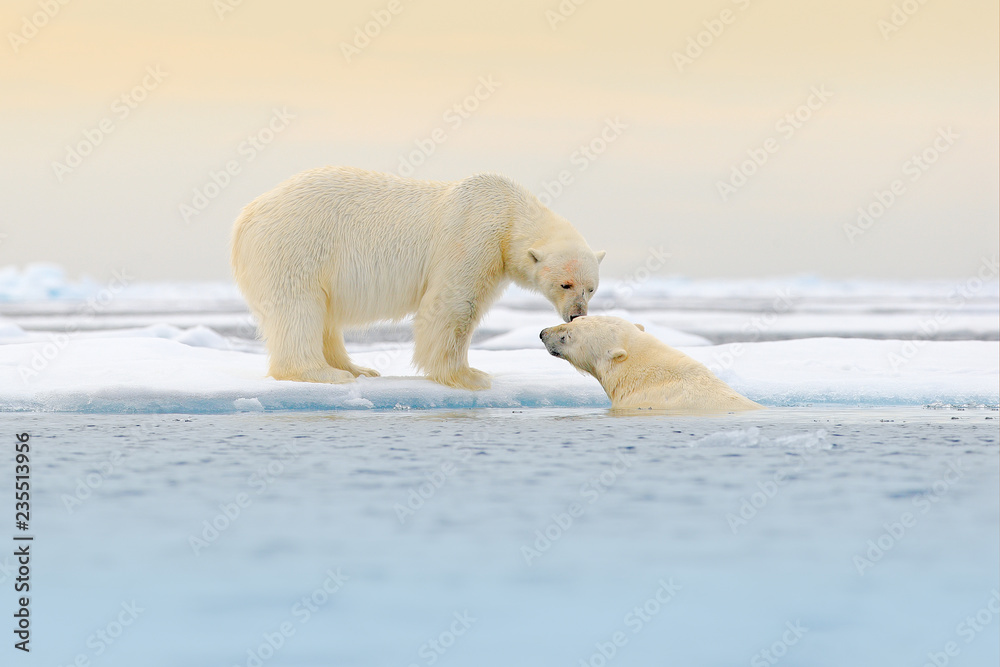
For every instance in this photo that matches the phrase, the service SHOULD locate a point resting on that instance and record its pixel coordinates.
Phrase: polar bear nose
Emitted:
(578, 309)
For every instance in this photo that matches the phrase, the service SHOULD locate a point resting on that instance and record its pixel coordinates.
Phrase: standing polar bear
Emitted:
(337, 247)
(637, 370)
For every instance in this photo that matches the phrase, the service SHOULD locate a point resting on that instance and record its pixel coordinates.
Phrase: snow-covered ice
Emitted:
(78, 346)
(192, 371)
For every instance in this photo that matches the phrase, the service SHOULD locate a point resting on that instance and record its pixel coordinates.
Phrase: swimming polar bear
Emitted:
(637, 370)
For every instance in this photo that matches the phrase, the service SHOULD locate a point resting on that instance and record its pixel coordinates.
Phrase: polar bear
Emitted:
(337, 247)
(637, 370)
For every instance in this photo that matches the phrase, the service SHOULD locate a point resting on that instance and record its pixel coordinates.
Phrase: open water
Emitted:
(813, 537)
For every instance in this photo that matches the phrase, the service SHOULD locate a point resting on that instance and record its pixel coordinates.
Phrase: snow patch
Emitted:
(202, 336)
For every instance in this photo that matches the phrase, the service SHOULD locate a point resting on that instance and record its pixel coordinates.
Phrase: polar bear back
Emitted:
(370, 239)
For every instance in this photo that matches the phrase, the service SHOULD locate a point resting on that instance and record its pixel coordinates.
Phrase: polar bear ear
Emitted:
(600, 255)
(619, 354)
(535, 255)
(639, 326)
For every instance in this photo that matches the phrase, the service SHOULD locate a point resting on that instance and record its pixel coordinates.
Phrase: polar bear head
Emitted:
(566, 276)
(638, 371)
(593, 344)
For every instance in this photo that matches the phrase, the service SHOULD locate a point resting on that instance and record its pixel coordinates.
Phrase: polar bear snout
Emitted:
(578, 309)
(552, 340)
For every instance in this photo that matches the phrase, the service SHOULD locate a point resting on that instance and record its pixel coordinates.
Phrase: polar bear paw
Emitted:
(361, 370)
(466, 378)
(327, 375)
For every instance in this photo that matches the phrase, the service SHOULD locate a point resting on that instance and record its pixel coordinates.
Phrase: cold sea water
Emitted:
(821, 537)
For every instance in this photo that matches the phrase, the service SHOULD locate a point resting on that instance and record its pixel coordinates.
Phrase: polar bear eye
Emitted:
(567, 286)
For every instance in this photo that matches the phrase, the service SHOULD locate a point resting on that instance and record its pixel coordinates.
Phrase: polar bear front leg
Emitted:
(442, 331)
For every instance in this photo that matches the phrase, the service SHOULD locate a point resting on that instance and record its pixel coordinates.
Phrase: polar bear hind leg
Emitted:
(335, 352)
(294, 335)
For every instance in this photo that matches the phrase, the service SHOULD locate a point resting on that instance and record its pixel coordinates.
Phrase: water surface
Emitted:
(496, 537)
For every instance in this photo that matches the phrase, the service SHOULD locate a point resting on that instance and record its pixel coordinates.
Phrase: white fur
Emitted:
(637, 370)
(337, 247)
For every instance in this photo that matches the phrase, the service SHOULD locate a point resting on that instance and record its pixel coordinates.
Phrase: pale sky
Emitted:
(198, 81)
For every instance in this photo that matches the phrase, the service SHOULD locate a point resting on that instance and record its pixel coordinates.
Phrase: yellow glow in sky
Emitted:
(697, 88)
